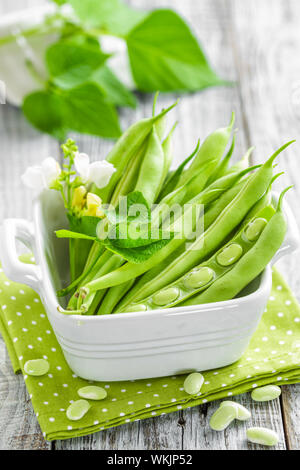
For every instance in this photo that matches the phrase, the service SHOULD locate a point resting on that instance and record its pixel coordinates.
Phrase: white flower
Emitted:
(97, 172)
(41, 177)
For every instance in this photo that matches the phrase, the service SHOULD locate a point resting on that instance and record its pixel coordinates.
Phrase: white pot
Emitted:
(132, 345)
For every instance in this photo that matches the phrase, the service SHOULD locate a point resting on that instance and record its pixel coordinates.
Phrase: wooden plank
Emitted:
(269, 83)
(21, 146)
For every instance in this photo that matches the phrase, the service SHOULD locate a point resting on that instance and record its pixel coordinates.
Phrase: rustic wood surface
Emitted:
(262, 57)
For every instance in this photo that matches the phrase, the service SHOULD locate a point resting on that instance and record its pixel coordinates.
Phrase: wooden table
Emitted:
(257, 45)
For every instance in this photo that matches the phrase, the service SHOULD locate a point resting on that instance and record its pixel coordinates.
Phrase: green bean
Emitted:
(250, 265)
(241, 164)
(212, 148)
(173, 180)
(263, 436)
(267, 393)
(222, 166)
(168, 150)
(113, 296)
(151, 169)
(204, 275)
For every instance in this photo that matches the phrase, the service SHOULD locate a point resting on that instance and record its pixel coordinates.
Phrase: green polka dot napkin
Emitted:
(272, 357)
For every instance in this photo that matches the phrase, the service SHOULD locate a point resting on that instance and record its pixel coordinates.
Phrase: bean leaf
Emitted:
(165, 55)
(84, 109)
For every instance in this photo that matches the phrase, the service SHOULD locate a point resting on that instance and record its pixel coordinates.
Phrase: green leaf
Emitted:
(72, 62)
(115, 91)
(86, 224)
(83, 109)
(165, 55)
(113, 16)
(45, 111)
(137, 254)
(88, 111)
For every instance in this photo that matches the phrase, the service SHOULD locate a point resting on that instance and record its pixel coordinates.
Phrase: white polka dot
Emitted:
(229, 394)
(30, 346)
(113, 399)
(273, 327)
(282, 362)
(50, 376)
(55, 394)
(281, 342)
(206, 383)
(33, 322)
(257, 350)
(45, 357)
(21, 291)
(147, 405)
(288, 302)
(53, 349)
(19, 314)
(96, 422)
(148, 385)
(274, 371)
(48, 332)
(123, 390)
(41, 384)
(179, 407)
(15, 340)
(51, 420)
(104, 410)
(46, 403)
(297, 320)
(249, 376)
(62, 409)
(36, 300)
(204, 401)
(28, 307)
(58, 368)
(127, 420)
(216, 373)
(249, 359)
(153, 413)
(139, 392)
(279, 378)
(165, 385)
(74, 376)
(122, 414)
(173, 400)
(7, 283)
(280, 314)
(106, 386)
(254, 385)
(13, 297)
(181, 389)
(25, 377)
(256, 367)
(279, 287)
(42, 315)
(272, 297)
(24, 329)
(130, 403)
(70, 428)
(20, 358)
(224, 385)
(289, 332)
(65, 385)
(232, 375)
(273, 352)
(265, 338)
(9, 322)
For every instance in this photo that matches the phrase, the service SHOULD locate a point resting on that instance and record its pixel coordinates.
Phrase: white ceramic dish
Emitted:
(133, 345)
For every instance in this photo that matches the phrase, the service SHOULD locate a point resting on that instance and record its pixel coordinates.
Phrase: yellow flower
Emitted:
(93, 203)
(78, 200)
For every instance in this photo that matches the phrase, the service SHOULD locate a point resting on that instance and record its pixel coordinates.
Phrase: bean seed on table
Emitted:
(263, 436)
(36, 367)
(224, 416)
(242, 413)
(77, 410)
(267, 393)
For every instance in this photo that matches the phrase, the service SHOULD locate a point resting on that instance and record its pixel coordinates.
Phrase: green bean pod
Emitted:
(151, 170)
(222, 166)
(213, 148)
(113, 296)
(204, 275)
(250, 265)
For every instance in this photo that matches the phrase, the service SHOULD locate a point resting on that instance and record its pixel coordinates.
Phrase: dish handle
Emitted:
(292, 239)
(11, 231)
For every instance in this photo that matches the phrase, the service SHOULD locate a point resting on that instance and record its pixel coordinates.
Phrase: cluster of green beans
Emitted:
(242, 230)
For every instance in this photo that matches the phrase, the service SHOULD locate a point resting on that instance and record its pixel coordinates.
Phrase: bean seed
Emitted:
(193, 383)
(136, 308)
(255, 228)
(269, 392)
(166, 296)
(36, 367)
(92, 392)
(224, 416)
(199, 277)
(242, 413)
(77, 410)
(263, 436)
(230, 254)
